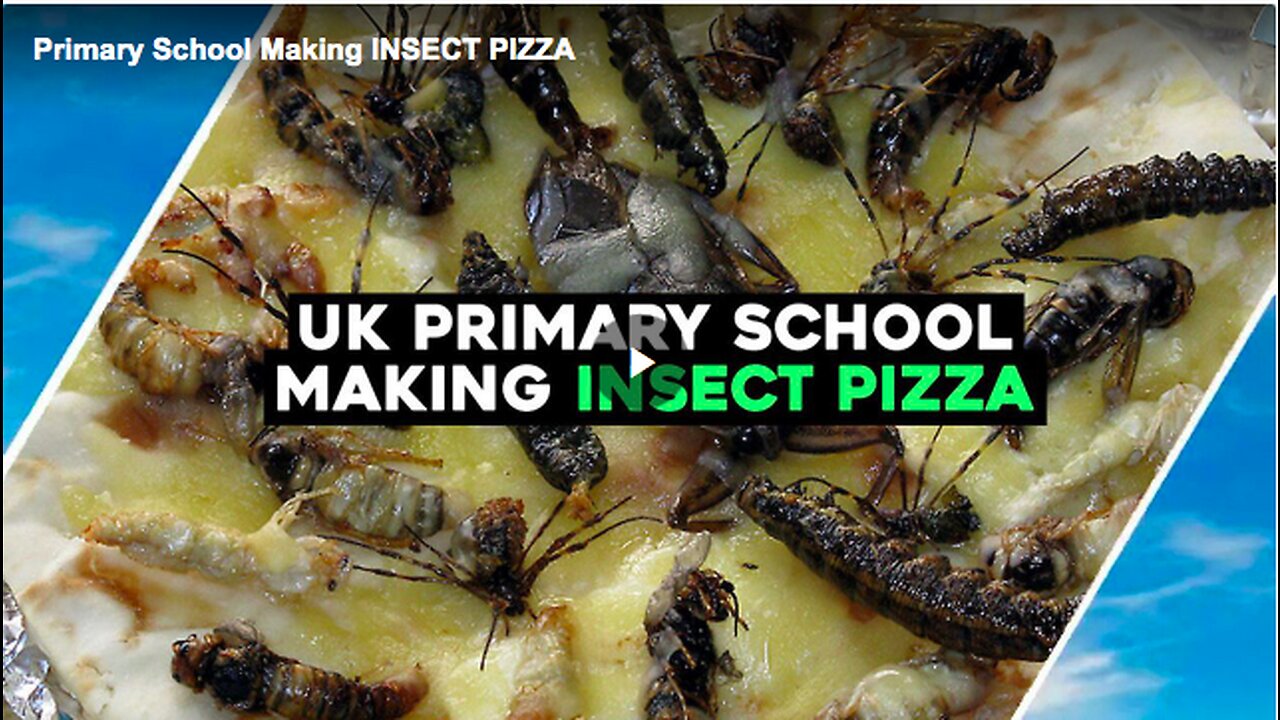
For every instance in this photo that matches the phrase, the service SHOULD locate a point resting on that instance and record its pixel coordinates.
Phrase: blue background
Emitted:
(1185, 624)
(1183, 627)
(87, 148)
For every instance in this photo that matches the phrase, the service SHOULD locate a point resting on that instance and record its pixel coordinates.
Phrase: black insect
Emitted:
(435, 102)
(721, 467)
(416, 172)
(1109, 306)
(962, 609)
(241, 673)
(654, 78)
(681, 682)
(746, 53)
(489, 557)
(540, 85)
(570, 457)
(966, 63)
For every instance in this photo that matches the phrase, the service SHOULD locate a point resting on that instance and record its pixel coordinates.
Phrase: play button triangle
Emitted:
(639, 362)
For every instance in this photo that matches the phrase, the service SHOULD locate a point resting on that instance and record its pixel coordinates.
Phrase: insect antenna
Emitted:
(366, 237)
(1010, 204)
(542, 527)
(924, 463)
(223, 229)
(862, 197)
(493, 628)
(240, 287)
(936, 218)
(751, 166)
(262, 434)
(963, 467)
(564, 545)
(418, 72)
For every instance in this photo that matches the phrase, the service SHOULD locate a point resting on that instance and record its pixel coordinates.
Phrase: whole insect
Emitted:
(348, 482)
(435, 102)
(720, 467)
(415, 168)
(266, 248)
(942, 516)
(241, 673)
(598, 227)
(966, 63)
(1152, 189)
(489, 557)
(1104, 306)
(654, 79)
(798, 104)
(1108, 306)
(808, 124)
(416, 173)
(540, 85)
(746, 53)
(962, 609)
(1053, 553)
(269, 556)
(680, 684)
(570, 458)
(173, 360)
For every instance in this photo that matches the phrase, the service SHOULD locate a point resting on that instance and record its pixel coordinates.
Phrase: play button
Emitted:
(639, 362)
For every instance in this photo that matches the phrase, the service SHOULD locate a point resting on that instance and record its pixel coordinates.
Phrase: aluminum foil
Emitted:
(27, 692)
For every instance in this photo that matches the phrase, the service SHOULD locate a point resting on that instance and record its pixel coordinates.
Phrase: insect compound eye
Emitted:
(277, 460)
(1033, 571)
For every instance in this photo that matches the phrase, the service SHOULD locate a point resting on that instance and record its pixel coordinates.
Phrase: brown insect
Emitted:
(681, 682)
(967, 62)
(414, 167)
(540, 85)
(962, 609)
(570, 458)
(489, 557)
(1154, 188)
(721, 467)
(746, 53)
(241, 673)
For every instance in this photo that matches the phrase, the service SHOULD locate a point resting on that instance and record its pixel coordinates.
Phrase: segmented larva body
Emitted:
(1152, 189)
(243, 674)
(347, 489)
(940, 685)
(171, 360)
(417, 168)
(540, 85)
(269, 556)
(164, 357)
(568, 457)
(654, 78)
(962, 609)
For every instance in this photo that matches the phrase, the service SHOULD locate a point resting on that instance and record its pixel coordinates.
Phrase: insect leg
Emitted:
(1012, 203)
